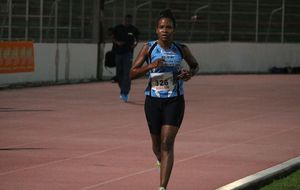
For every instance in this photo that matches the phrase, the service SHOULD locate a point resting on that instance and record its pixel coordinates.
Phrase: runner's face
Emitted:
(165, 29)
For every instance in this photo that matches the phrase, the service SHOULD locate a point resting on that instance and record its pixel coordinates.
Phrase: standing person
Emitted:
(110, 55)
(125, 38)
(164, 102)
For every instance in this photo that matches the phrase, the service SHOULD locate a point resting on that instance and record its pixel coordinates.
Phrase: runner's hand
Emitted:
(184, 75)
(157, 63)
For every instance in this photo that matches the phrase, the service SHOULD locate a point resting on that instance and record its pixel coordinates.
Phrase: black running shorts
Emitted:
(164, 111)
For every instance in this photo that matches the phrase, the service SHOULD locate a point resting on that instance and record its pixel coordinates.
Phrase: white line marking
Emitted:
(61, 160)
(184, 160)
(118, 179)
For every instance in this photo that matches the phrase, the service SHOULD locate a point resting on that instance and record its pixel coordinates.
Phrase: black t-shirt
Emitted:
(128, 34)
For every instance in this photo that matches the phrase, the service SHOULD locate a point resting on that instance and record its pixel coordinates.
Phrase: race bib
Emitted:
(162, 83)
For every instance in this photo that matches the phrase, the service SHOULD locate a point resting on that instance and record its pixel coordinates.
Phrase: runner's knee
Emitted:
(167, 145)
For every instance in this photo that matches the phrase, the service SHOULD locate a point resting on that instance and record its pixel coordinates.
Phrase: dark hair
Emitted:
(167, 13)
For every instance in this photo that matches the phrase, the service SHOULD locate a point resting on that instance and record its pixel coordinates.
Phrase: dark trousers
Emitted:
(123, 65)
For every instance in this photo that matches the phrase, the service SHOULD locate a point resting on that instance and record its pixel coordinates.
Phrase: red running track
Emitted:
(81, 137)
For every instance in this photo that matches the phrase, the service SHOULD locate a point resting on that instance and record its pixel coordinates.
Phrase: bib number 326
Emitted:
(162, 81)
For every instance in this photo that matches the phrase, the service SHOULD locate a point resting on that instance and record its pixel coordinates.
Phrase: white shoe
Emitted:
(157, 164)
(124, 97)
(162, 188)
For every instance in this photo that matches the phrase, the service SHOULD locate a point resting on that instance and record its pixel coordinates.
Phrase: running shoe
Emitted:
(162, 188)
(157, 164)
(124, 97)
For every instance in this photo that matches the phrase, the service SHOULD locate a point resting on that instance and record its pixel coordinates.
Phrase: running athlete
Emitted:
(164, 103)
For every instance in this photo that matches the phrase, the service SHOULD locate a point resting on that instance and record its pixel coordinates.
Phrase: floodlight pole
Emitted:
(41, 19)
(26, 19)
(257, 20)
(136, 9)
(230, 22)
(282, 21)
(9, 19)
(270, 21)
(193, 24)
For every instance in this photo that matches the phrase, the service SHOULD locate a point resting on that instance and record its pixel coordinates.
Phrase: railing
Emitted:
(48, 21)
(198, 20)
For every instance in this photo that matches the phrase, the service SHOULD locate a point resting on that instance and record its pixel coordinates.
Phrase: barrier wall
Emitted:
(238, 57)
(63, 62)
(58, 62)
(245, 57)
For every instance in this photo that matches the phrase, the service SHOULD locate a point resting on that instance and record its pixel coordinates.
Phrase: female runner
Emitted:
(164, 103)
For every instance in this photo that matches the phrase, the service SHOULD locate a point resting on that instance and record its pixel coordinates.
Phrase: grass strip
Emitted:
(290, 182)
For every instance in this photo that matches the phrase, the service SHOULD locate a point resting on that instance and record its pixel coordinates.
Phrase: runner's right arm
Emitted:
(138, 69)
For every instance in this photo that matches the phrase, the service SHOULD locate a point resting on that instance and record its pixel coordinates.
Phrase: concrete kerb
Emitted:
(264, 177)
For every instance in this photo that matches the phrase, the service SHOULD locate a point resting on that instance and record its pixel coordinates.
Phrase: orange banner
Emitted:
(16, 57)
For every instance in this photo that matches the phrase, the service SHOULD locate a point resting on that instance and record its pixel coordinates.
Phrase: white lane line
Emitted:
(118, 179)
(61, 160)
(185, 159)
(102, 151)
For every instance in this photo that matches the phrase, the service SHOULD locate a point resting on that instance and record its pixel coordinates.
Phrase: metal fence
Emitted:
(87, 21)
(48, 20)
(214, 20)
